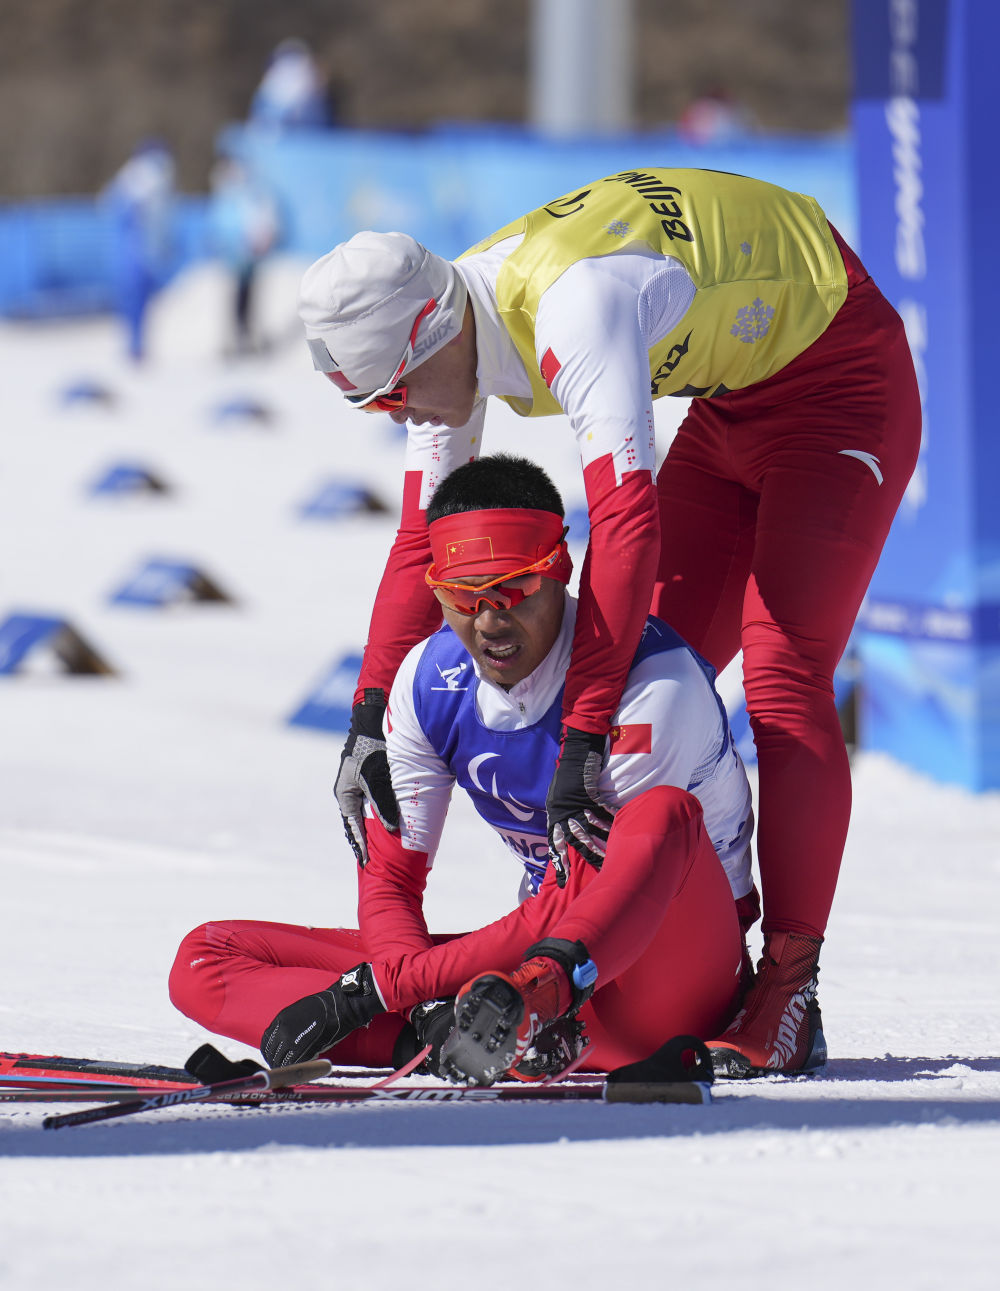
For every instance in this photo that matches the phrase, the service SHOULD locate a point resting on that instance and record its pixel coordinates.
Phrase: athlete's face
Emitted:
(509, 644)
(441, 391)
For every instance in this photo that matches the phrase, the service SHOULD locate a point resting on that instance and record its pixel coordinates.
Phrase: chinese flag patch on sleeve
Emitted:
(550, 366)
(637, 738)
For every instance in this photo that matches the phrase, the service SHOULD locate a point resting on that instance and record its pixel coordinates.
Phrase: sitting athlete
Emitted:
(640, 946)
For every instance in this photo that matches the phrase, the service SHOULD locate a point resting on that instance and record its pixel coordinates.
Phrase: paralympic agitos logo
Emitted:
(661, 197)
(564, 206)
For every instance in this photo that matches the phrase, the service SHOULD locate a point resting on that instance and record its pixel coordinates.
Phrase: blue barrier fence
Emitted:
(448, 187)
(58, 257)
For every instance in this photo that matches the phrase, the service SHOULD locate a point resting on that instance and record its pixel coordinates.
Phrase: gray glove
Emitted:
(576, 816)
(364, 774)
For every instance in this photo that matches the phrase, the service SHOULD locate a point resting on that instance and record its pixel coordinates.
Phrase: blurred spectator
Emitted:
(141, 202)
(244, 227)
(291, 93)
(715, 117)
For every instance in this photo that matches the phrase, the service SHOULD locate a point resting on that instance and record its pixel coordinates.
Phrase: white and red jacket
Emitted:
(601, 317)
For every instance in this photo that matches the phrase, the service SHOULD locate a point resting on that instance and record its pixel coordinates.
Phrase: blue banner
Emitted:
(926, 119)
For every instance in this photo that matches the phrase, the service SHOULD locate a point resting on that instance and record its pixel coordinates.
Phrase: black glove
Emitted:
(312, 1025)
(364, 774)
(433, 1021)
(576, 816)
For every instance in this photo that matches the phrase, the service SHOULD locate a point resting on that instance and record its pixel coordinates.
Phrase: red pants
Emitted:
(770, 533)
(658, 920)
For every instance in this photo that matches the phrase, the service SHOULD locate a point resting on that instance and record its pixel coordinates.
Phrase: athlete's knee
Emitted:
(658, 809)
(793, 699)
(194, 974)
(788, 674)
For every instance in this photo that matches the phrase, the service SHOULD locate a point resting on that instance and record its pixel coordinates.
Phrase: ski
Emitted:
(42, 1086)
(679, 1072)
(54, 1065)
(258, 1080)
(687, 1091)
(254, 1095)
(22, 1068)
(691, 1092)
(91, 1092)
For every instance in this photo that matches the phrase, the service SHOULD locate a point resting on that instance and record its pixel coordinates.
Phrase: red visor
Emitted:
(492, 544)
(500, 545)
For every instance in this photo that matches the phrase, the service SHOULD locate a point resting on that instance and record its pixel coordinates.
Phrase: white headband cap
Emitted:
(360, 301)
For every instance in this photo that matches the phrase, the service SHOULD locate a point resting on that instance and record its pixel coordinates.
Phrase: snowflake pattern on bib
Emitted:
(752, 322)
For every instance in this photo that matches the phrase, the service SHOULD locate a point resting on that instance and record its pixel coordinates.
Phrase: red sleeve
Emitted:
(405, 609)
(443, 969)
(391, 896)
(616, 588)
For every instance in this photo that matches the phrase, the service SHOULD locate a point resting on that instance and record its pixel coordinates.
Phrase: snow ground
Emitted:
(134, 807)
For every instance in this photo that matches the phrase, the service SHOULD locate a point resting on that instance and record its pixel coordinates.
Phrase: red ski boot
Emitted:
(498, 1016)
(779, 1028)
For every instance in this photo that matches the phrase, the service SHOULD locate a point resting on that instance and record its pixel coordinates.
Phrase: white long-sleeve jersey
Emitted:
(447, 724)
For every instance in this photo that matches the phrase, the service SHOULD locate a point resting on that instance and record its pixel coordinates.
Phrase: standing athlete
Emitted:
(644, 945)
(761, 531)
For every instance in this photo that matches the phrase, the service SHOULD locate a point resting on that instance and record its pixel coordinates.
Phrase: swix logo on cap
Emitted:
(429, 341)
(470, 549)
(549, 367)
(636, 738)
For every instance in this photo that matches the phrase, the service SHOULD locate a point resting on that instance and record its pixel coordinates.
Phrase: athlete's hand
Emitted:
(433, 1022)
(364, 774)
(576, 816)
(310, 1026)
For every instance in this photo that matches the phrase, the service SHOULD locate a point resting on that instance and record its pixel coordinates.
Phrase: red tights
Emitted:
(658, 920)
(771, 529)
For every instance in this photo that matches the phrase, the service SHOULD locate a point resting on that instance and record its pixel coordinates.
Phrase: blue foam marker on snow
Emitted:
(339, 498)
(159, 583)
(328, 706)
(242, 410)
(127, 478)
(86, 391)
(25, 635)
(22, 633)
